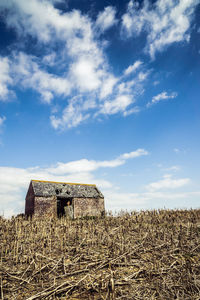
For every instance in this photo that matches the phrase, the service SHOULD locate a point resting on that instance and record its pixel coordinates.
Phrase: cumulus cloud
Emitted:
(113, 96)
(73, 114)
(133, 68)
(30, 75)
(49, 59)
(106, 19)
(73, 30)
(86, 74)
(117, 201)
(134, 154)
(78, 67)
(107, 86)
(143, 76)
(14, 181)
(39, 18)
(165, 22)
(5, 79)
(162, 96)
(119, 104)
(131, 111)
(85, 165)
(168, 183)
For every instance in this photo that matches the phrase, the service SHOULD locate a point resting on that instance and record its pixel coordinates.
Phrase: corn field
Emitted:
(138, 255)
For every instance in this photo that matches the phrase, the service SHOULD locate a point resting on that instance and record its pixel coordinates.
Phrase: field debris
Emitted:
(146, 255)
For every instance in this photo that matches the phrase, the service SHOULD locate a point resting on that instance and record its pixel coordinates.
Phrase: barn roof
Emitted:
(65, 189)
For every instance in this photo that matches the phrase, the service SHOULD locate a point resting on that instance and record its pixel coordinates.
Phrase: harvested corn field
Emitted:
(146, 255)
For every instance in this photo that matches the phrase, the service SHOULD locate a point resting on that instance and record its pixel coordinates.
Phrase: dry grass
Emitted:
(146, 255)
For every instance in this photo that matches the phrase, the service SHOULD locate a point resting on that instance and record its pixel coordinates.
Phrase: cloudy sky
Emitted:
(103, 92)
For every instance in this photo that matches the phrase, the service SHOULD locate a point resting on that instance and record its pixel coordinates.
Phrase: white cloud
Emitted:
(134, 154)
(48, 24)
(106, 19)
(73, 31)
(131, 111)
(78, 67)
(14, 181)
(124, 93)
(2, 120)
(167, 183)
(117, 201)
(87, 75)
(49, 59)
(143, 76)
(85, 165)
(86, 69)
(99, 93)
(133, 87)
(166, 22)
(133, 68)
(5, 79)
(39, 18)
(29, 75)
(107, 86)
(162, 96)
(119, 104)
(72, 115)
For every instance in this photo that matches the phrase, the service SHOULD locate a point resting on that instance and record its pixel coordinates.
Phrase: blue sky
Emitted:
(103, 92)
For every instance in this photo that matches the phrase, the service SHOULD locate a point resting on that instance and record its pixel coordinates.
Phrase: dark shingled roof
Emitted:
(67, 190)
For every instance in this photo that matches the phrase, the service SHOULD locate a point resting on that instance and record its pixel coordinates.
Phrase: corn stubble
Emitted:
(146, 255)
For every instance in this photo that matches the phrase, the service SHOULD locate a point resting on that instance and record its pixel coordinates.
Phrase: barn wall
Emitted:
(88, 207)
(29, 205)
(45, 206)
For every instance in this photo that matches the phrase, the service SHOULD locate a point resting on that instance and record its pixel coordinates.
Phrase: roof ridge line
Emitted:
(70, 183)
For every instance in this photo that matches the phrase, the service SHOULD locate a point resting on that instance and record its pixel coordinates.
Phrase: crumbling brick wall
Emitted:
(88, 207)
(45, 206)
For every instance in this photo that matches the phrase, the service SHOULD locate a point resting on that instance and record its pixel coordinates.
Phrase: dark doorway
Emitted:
(62, 205)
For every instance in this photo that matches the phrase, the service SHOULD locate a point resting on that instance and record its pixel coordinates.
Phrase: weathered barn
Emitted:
(48, 198)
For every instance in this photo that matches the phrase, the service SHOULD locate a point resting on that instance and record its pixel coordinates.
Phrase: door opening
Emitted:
(64, 207)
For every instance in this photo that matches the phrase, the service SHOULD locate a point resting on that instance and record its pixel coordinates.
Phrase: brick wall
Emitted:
(45, 206)
(88, 207)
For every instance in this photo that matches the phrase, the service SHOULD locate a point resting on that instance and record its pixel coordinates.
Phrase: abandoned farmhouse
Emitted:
(73, 200)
